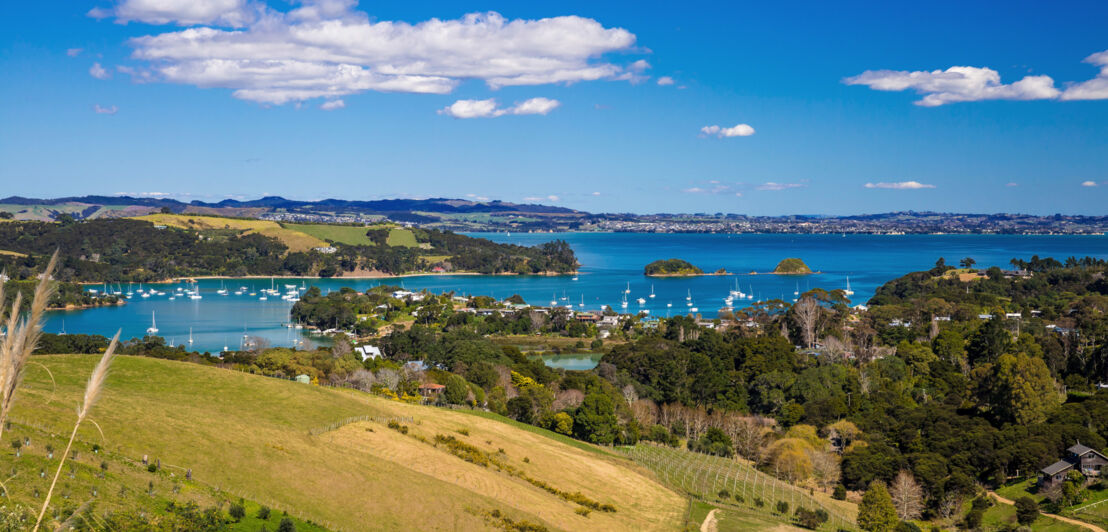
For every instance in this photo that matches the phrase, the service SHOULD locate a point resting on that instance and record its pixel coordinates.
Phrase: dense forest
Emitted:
(671, 267)
(121, 250)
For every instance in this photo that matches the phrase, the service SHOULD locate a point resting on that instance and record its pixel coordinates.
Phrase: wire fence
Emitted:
(706, 477)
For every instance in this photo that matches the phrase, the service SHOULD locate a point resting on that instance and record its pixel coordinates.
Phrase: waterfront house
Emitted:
(1084, 460)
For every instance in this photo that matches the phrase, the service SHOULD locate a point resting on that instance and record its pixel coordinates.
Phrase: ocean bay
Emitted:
(611, 264)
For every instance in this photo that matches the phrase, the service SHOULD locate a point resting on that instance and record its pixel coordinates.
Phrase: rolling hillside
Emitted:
(285, 445)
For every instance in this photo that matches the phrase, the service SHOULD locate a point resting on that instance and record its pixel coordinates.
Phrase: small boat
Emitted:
(574, 278)
(582, 304)
(623, 304)
(641, 301)
(689, 297)
(628, 290)
(848, 291)
(554, 300)
(668, 305)
(263, 298)
(694, 309)
(153, 328)
(651, 291)
(63, 328)
(797, 291)
(190, 335)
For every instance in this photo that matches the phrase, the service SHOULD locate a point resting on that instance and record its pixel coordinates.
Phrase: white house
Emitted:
(368, 351)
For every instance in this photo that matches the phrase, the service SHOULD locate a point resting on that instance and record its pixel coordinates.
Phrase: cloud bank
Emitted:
(974, 84)
(327, 49)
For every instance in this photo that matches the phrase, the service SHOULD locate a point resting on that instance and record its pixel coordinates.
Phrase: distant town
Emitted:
(465, 215)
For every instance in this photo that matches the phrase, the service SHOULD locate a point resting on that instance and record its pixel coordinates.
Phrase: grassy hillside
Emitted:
(792, 266)
(252, 437)
(402, 237)
(295, 240)
(343, 234)
(736, 487)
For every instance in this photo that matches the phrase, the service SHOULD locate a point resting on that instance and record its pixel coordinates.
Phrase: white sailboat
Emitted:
(153, 329)
(190, 335)
(628, 290)
(582, 304)
(689, 297)
(641, 301)
(652, 291)
(623, 304)
(797, 291)
(848, 291)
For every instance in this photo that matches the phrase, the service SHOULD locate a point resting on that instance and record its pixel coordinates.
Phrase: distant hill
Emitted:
(321, 454)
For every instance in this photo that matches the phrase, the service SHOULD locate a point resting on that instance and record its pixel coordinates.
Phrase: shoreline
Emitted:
(368, 275)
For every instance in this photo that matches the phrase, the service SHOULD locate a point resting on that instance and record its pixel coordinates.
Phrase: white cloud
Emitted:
(639, 66)
(1094, 89)
(74, 52)
(329, 49)
(1088, 183)
(476, 197)
(99, 72)
(665, 80)
(1012, 184)
(771, 185)
(234, 13)
(740, 130)
(595, 193)
(536, 199)
(900, 185)
(957, 84)
(738, 194)
(489, 109)
(331, 105)
(110, 110)
(694, 190)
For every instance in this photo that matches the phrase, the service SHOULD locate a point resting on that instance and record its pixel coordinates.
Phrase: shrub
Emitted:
(905, 526)
(782, 507)
(263, 513)
(1027, 510)
(583, 511)
(973, 518)
(840, 493)
(286, 526)
(237, 511)
(724, 494)
(739, 498)
(153, 468)
(463, 431)
(811, 519)
(759, 502)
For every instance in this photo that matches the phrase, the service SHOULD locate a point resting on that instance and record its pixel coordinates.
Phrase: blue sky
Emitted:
(835, 108)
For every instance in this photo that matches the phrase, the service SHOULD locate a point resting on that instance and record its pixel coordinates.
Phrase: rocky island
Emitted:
(792, 266)
(671, 268)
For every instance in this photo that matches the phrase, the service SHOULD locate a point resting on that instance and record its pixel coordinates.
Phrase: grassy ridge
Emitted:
(402, 237)
(295, 240)
(249, 435)
(343, 234)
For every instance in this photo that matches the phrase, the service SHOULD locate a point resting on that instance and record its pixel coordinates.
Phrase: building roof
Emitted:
(1056, 467)
(431, 386)
(1080, 449)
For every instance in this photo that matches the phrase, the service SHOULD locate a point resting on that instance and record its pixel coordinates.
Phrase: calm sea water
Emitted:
(611, 263)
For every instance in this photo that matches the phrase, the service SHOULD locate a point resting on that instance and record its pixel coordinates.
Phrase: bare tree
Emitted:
(645, 412)
(749, 437)
(388, 378)
(341, 346)
(570, 398)
(950, 505)
(629, 394)
(907, 496)
(825, 467)
(806, 313)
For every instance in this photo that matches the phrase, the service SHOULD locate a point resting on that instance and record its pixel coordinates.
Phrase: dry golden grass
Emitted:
(249, 435)
(295, 240)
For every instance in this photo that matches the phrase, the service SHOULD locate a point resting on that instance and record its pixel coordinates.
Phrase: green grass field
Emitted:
(343, 234)
(284, 445)
(399, 236)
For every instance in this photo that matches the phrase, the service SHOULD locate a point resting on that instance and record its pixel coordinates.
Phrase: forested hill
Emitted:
(115, 250)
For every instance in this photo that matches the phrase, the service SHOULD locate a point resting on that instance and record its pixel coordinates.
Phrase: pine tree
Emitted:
(877, 513)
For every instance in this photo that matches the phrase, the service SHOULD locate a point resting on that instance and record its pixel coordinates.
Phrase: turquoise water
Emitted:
(610, 263)
(574, 361)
